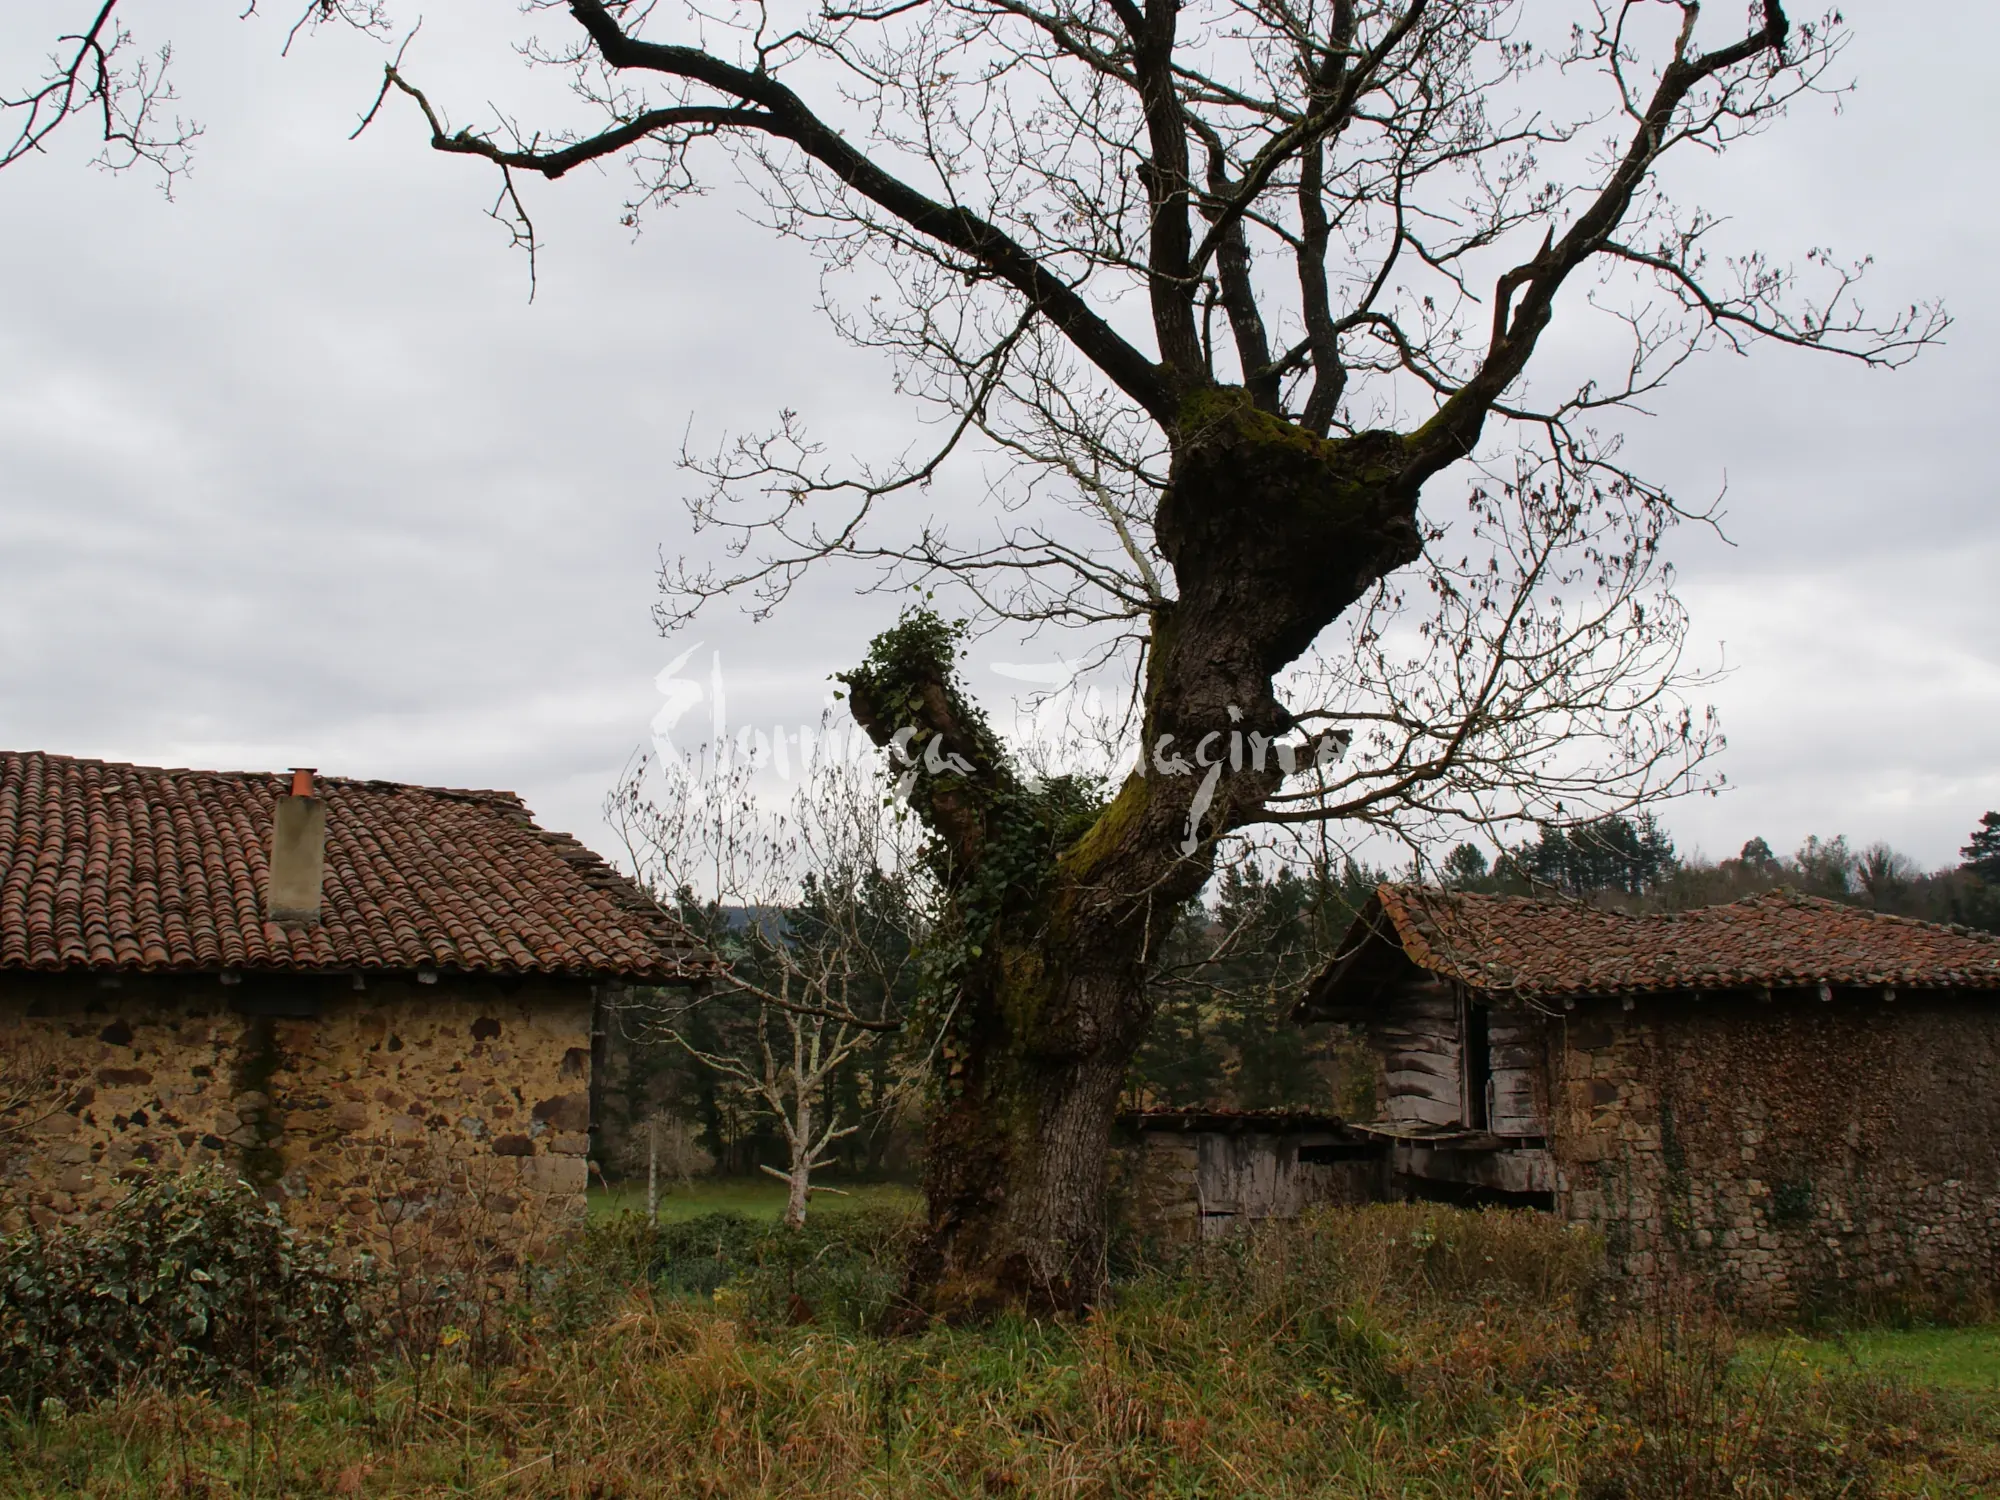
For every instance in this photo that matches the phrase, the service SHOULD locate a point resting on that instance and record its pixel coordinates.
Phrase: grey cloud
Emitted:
(291, 470)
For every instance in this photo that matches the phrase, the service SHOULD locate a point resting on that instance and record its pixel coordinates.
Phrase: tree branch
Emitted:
(1454, 430)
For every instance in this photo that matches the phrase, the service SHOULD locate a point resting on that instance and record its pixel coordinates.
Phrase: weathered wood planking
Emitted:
(1253, 1175)
(1519, 1053)
(1419, 1109)
(1421, 1074)
(1420, 1062)
(1418, 1041)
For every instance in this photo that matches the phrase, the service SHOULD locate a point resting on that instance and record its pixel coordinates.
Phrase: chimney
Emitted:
(298, 853)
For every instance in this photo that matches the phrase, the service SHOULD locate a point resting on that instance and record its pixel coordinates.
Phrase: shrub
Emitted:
(452, 1243)
(1685, 1415)
(842, 1269)
(1406, 1254)
(1399, 1304)
(190, 1281)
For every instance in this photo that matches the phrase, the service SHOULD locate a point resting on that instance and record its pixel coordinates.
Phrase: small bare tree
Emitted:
(671, 1143)
(815, 907)
(788, 1079)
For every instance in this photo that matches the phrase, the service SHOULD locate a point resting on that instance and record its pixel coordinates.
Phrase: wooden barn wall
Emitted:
(1519, 1041)
(1420, 1042)
(1417, 1040)
(1180, 1186)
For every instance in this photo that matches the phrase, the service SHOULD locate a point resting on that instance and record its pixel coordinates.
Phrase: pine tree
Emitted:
(1465, 869)
(1982, 855)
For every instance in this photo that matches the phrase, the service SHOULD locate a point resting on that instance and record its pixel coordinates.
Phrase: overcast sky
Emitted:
(292, 472)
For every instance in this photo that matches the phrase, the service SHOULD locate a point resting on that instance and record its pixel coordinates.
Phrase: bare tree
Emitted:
(1220, 290)
(814, 907)
(98, 72)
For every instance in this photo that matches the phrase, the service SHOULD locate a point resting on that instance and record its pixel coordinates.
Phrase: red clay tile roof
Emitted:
(108, 866)
(1554, 948)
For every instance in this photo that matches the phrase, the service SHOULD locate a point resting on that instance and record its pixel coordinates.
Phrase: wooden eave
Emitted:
(1446, 1137)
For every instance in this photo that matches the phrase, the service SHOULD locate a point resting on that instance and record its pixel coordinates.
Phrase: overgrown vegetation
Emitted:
(1399, 1350)
(193, 1281)
(840, 1270)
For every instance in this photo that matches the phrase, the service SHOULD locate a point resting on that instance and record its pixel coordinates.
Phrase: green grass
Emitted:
(1966, 1358)
(753, 1197)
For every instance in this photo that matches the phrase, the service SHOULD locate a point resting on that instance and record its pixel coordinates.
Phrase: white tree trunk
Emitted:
(800, 1177)
(653, 1169)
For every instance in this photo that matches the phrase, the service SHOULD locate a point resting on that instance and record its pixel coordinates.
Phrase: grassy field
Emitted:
(1963, 1358)
(1403, 1352)
(760, 1197)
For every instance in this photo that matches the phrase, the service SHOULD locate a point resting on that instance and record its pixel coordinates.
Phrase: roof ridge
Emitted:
(1790, 895)
(320, 778)
(1779, 938)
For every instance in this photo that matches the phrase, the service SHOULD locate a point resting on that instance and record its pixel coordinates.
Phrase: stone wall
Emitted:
(1796, 1153)
(360, 1107)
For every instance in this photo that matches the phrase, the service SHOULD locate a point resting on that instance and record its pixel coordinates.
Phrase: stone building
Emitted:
(1183, 1175)
(356, 993)
(1795, 1099)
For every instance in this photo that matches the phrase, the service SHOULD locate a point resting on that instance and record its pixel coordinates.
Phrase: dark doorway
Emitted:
(1478, 1066)
(1467, 1194)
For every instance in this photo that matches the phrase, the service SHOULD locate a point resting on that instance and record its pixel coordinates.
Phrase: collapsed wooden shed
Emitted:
(1193, 1174)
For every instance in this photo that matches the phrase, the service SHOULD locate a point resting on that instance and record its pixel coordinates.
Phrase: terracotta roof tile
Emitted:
(111, 866)
(1776, 940)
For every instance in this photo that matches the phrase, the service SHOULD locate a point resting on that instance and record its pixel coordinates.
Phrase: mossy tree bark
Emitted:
(1271, 533)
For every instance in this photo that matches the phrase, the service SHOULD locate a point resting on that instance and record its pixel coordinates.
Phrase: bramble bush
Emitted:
(191, 1281)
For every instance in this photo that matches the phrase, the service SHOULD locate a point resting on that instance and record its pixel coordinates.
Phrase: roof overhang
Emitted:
(1369, 960)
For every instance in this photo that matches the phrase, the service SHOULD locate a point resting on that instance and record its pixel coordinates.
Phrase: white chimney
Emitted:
(298, 853)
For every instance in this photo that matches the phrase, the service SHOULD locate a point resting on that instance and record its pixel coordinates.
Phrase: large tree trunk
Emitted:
(1271, 533)
(1017, 1143)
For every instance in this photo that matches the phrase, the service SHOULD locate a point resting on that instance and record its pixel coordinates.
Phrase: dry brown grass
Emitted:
(1385, 1353)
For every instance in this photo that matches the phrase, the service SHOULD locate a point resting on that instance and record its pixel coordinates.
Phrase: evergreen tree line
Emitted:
(1631, 863)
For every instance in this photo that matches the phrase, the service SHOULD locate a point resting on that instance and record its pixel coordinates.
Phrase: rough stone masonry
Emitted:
(1793, 1153)
(353, 1114)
